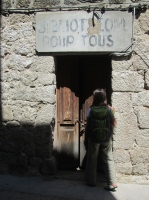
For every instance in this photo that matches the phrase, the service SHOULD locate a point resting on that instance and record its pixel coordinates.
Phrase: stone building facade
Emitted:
(28, 93)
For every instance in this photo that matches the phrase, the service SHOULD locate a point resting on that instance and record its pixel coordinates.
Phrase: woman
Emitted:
(100, 101)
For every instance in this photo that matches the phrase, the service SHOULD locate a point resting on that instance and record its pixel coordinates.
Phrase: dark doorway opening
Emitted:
(77, 78)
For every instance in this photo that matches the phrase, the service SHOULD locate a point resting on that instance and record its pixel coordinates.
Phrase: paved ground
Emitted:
(66, 186)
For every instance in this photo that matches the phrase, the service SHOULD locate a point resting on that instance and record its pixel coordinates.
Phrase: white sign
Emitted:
(80, 31)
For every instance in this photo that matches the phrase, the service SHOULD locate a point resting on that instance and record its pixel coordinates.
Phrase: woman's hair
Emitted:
(99, 97)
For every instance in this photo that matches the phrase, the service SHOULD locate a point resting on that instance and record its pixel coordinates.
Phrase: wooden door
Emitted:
(77, 78)
(67, 139)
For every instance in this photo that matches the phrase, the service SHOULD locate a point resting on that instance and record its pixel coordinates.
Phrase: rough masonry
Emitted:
(28, 98)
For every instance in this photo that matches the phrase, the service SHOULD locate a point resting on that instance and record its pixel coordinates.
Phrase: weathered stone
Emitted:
(139, 155)
(143, 21)
(122, 102)
(138, 64)
(127, 81)
(45, 79)
(141, 98)
(35, 162)
(45, 94)
(147, 80)
(9, 158)
(12, 124)
(22, 19)
(43, 151)
(4, 168)
(43, 64)
(23, 160)
(143, 116)
(12, 146)
(11, 75)
(45, 115)
(121, 64)
(21, 135)
(29, 149)
(41, 94)
(18, 62)
(139, 169)
(24, 114)
(28, 78)
(10, 34)
(124, 168)
(141, 48)
(143, 138)
(121, 156)
(125, 130)
(49, 166)
(24, 47)
(43, 134)
(7, 114)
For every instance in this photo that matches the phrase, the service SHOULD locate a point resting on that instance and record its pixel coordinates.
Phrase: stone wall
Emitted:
(27, 99)
(130, 97)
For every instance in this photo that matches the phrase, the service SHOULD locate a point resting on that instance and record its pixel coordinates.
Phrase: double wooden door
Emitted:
(77, 78)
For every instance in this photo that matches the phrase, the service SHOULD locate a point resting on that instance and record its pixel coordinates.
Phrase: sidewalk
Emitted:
(65, 186)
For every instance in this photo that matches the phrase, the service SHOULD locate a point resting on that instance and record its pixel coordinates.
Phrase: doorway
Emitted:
(77, 78)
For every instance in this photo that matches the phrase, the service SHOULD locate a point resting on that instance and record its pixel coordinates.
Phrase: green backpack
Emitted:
(100, 129)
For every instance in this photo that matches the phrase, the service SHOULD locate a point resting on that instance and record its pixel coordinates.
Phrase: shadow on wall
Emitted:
(26, 149)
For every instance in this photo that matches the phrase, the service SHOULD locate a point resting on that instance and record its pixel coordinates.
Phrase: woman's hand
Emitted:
(112, 108)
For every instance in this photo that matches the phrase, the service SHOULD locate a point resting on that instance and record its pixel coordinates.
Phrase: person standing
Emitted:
(100, 106)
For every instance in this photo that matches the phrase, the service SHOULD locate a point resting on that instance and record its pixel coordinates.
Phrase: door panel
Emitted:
(67, 113)
(77, 78)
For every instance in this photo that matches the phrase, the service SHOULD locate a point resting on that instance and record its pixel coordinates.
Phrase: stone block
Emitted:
(24, 47)
(125, 130)
(9, 158)
(142, 139)
(49, 166)
(139, 169)
(18, 62)
(140, 99)
(22, 135)
(43, 64)
(25, 21)
(121, 101)
(143, 117)
(10, 34)
(24, 114)
(23, 160)
(12, 146)
(147, 80)
(12, 124)
(45, 79)
(124, 168)
(45, 115)
(45, 94)
(121, 64)
(43, 134)
(138, 64)
(121, 156)
(4, 168)
(43, 151)
(127, 81)
(29, 150)
(7, 114)
(35, 162)
(139, 155)
(143, 21)
(28, 78)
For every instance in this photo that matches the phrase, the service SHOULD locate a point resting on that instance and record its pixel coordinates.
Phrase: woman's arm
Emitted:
(113, 119)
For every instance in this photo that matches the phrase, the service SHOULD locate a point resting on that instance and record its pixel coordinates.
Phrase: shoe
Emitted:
(111, 188)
